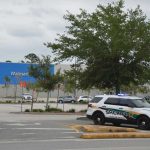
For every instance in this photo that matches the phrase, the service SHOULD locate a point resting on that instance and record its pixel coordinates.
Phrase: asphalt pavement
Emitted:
(52, 132)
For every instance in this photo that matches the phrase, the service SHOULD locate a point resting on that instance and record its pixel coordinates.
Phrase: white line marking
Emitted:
(37, 123)
(34, 140)
(113, 148)
(59, 129)
(16, 124)
(66, 140)
(22, 124)
(69, 137)
(28, 133)
(72, 132)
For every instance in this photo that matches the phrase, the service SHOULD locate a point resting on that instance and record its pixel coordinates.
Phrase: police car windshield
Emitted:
(140, 103)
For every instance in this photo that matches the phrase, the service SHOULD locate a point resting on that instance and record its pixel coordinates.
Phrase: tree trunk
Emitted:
(58, 94)
(32, 101)
(48, 93)
(6, 90)
(32, 105)
(37, 95)
(15, 92)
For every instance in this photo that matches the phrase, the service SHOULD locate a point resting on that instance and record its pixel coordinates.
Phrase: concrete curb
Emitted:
(115, 135)
(95, 128)
(108, 132)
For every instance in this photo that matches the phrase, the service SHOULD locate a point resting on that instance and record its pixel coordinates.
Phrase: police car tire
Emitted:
(99, 118)
(140, 122)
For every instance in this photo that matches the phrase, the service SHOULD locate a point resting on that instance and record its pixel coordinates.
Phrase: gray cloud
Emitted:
(26, 24)
(26, 31)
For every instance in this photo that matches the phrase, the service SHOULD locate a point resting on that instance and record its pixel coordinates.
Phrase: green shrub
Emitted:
(51, 109)
(84, 110)
(27, 110)
(41, 110)
(72, 110)
(8, 102)
(38, 110)
(83, 102)
(41, 101)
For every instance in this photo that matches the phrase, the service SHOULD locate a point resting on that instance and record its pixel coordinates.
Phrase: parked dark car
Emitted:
(66, 99)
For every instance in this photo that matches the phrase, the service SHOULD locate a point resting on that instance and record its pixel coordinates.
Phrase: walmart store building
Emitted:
(18, 72)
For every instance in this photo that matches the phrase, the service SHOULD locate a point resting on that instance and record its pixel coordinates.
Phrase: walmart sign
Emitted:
(17, 72)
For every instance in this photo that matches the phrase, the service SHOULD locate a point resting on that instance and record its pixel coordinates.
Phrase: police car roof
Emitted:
(118, 96)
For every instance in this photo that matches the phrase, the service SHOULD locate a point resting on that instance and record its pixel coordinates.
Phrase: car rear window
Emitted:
(96, 99)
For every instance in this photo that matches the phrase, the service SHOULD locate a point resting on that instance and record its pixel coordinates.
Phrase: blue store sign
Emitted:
(17, 72)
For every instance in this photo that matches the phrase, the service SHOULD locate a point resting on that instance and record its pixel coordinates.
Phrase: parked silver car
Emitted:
(66, 99)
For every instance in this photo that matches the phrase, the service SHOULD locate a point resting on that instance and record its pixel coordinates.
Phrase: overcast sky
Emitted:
(26, 24)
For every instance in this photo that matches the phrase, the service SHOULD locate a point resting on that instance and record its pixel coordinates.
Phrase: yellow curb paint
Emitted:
(107, 132)
(95, 128)
(107, 129)
(76, 127)
(115, 135)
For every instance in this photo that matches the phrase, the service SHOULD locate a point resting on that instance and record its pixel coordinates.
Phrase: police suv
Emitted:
(119, 109)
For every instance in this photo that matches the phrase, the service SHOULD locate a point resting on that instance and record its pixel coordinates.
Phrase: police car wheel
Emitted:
(143, 123)
(99, 119)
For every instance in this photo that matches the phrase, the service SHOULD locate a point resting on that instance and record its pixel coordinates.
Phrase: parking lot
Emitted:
(46, 131)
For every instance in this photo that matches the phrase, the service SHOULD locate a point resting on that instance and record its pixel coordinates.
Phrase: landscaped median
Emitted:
(103, 132)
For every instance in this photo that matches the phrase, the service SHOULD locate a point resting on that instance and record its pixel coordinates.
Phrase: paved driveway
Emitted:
(52, 132)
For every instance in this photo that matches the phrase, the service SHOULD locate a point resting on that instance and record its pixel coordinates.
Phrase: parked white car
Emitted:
(84, 98)
(26, 96)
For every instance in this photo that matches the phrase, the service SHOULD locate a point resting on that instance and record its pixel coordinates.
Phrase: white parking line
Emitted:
(113, 148)
(59, 129)
(28, 133)
(72, 132)
(36, 123)
(66, 140)
(33, 140)
(22, 124)
(16, 124)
